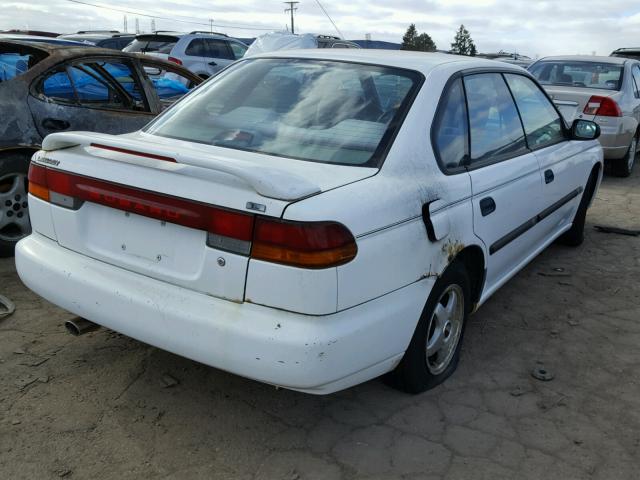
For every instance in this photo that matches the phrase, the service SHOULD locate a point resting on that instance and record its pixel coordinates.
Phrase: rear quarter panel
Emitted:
(384, 212)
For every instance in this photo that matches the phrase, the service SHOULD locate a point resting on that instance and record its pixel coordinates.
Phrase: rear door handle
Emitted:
(55, 124)
(548, 176)
(487, 206)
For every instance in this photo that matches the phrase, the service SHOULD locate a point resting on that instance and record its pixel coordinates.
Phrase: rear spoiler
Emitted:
(267, 181)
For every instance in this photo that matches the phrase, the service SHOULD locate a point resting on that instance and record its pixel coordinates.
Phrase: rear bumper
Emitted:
(314, 354)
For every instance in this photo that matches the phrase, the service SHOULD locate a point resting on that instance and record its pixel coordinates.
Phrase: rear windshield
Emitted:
(322, 111)
(604, 76)
(15, 61)
(156, 44)
(634, 55)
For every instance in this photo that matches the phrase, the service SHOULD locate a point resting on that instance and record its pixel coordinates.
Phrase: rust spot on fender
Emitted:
(452, 248)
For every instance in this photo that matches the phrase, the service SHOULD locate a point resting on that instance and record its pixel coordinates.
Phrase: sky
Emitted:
(534, 28)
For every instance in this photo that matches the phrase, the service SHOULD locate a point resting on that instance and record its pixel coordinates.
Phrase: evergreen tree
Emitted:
(425, 43)
(409, 38)
(463, 43)
(417, 42)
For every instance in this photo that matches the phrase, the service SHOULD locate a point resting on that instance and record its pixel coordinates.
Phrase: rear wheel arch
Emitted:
(596, 171)
(472, 258)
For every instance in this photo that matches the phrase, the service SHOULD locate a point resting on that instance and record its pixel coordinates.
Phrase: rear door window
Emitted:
(218, 49)
(57, 86)
(197, 48)
(541, 121)
(108, 84)
(450, 131)
(495, 128)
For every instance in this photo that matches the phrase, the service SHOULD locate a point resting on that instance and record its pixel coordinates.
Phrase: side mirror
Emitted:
(584, 130)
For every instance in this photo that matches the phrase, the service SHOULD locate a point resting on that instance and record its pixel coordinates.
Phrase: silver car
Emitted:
(603, 89)
(201, 52)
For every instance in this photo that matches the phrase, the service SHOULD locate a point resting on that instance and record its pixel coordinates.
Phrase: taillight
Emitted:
(602, 106)
(175, 60)
(299, 244)
(228, 230)
(302, 244)
(38, 181)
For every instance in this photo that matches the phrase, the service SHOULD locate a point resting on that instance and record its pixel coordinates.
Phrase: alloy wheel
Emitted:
(14, 209)
(445, 327)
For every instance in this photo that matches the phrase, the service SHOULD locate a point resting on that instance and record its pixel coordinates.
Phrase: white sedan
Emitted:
(313, 219)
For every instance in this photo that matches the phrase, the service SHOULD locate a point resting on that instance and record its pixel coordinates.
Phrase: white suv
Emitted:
(203, 53)
(313, 219)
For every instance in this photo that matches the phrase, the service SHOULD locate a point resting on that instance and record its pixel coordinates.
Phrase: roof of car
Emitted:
(587, 58)
(421, 61)
(97, 36)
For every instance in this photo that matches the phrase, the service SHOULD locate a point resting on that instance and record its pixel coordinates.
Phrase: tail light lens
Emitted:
(38, 181)
(225, 227)
(303, 244)
(300, 244)
(175, 60)
(602, 106)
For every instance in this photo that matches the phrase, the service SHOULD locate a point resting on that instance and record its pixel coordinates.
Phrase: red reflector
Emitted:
(180, 211)
(303, 244)
(602, 106)
(175, 60)
(134, 152)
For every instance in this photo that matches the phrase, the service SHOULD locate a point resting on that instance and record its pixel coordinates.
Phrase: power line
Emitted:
(330, 19)
(122, 10)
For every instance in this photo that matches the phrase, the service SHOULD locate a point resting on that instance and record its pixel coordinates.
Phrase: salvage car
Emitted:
(315, 218)
(50, 88)
(603, 89)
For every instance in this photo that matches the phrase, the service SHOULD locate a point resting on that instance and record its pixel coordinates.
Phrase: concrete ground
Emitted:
(105, 406)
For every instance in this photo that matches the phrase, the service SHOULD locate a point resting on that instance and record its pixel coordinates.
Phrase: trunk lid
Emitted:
(571, 101)
(211, 176)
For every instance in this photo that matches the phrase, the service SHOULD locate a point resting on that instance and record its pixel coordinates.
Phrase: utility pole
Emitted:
(291, 9)
(125, 24)
(211, 25)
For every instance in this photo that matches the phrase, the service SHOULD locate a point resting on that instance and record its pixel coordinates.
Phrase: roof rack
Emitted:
(208, 33)
(98, 31)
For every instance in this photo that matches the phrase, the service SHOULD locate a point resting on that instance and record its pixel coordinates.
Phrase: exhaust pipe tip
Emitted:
(80, 326)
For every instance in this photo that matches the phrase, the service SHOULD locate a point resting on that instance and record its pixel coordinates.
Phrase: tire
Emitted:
(418, 372)
(624, 166)
(14, 212)
(575, 235)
